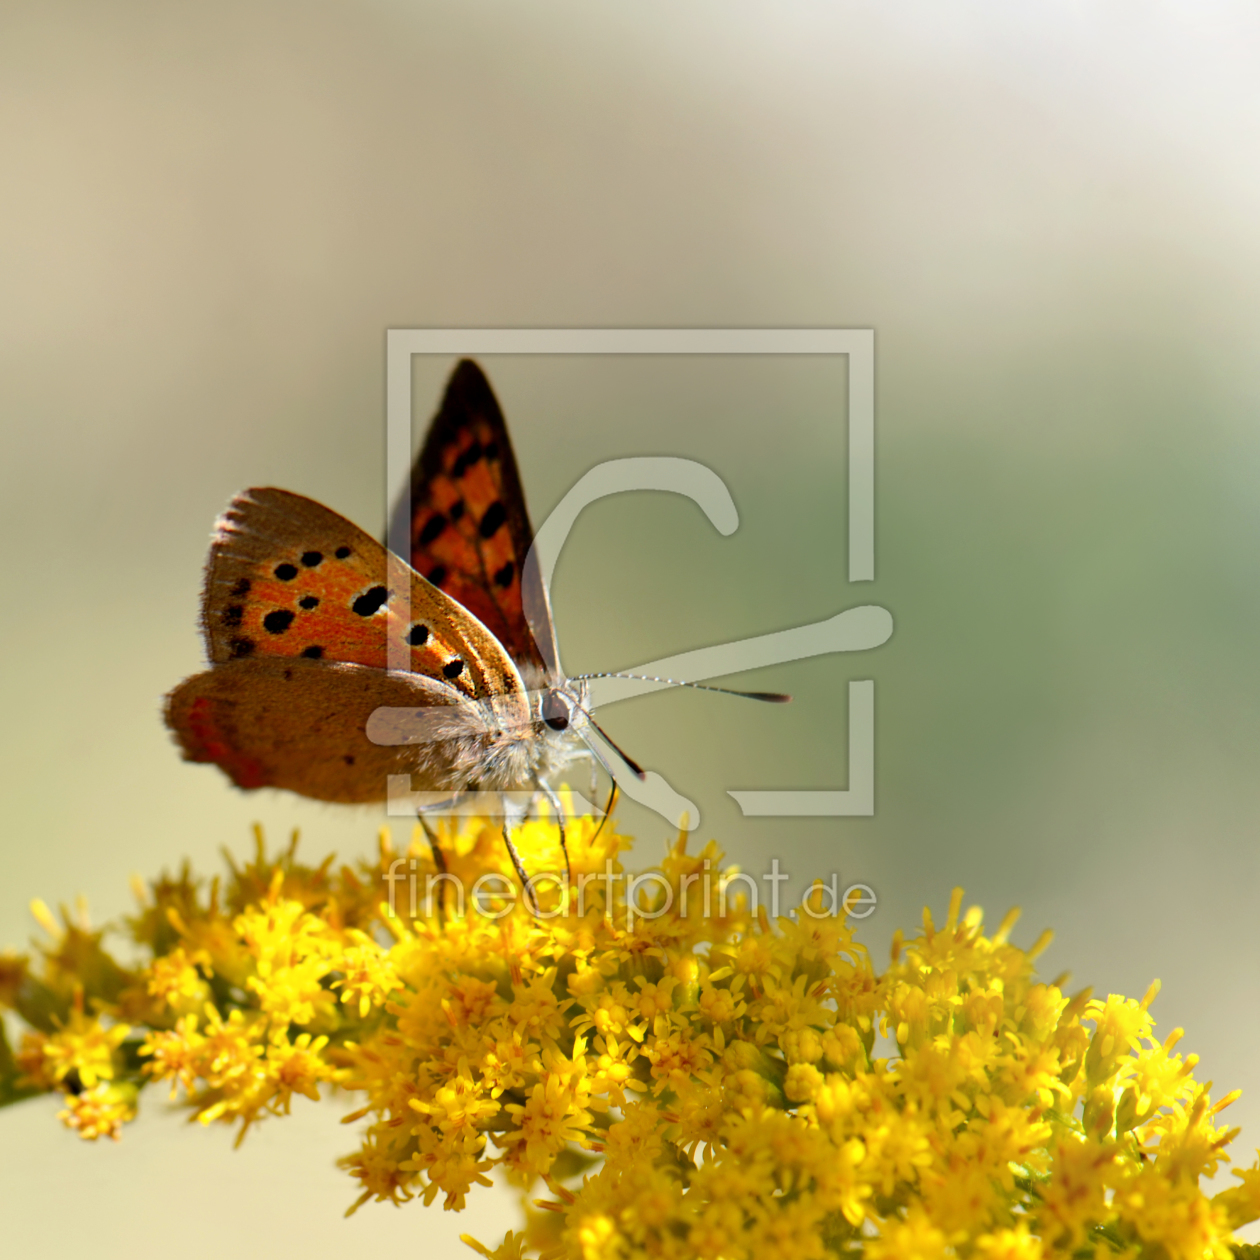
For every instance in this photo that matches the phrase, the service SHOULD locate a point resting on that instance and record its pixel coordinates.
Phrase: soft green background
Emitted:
(213, 212)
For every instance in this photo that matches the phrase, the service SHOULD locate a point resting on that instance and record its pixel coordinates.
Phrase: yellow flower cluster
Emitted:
(685, 1078)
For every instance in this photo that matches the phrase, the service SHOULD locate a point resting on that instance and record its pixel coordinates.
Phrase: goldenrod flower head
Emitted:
(678, 1075)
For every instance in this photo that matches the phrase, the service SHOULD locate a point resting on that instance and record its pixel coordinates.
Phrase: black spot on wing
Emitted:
(503, 577)
(437, 575)
(432, 528)
(493, 519)
(418, 635)
(456, 511)
(241, 647)
(312, 558)
(466, 459)
(241, 588)
(308, 602)
(453, 668)
(278, 620)
(342, 553)
(286, 572)
(232, 615)
(313, 653)
(370, 601)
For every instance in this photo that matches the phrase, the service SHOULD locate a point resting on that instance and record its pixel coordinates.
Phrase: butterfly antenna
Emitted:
(770, 697)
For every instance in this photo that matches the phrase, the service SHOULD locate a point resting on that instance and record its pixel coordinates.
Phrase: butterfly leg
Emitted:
(511, 816)
(612, 800)
(439, 860)
(557, 808)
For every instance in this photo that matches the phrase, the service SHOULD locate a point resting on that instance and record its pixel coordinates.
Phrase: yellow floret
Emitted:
(690, 1080)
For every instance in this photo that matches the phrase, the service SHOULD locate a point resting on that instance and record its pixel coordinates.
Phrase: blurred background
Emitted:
(213, 213)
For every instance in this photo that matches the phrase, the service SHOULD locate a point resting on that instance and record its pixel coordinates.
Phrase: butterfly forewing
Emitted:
(287, 577)
(467, 522)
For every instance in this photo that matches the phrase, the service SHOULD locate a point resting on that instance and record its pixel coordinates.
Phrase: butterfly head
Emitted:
(558, 708)
(564, 715)
(563, 722)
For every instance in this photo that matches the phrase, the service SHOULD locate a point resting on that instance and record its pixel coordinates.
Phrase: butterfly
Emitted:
(303, 615)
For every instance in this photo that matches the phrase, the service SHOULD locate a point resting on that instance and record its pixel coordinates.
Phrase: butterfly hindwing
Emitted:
(467, 521)
(268, 721)
(290, 578)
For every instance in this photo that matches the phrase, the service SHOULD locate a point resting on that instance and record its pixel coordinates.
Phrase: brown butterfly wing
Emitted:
(289, 578)
(268, 721)
(468, 525)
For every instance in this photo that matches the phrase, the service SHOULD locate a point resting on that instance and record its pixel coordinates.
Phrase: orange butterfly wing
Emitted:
(288, 577)
(467, 522)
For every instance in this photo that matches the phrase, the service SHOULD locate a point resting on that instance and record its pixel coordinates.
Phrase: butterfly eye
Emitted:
(555, 710)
